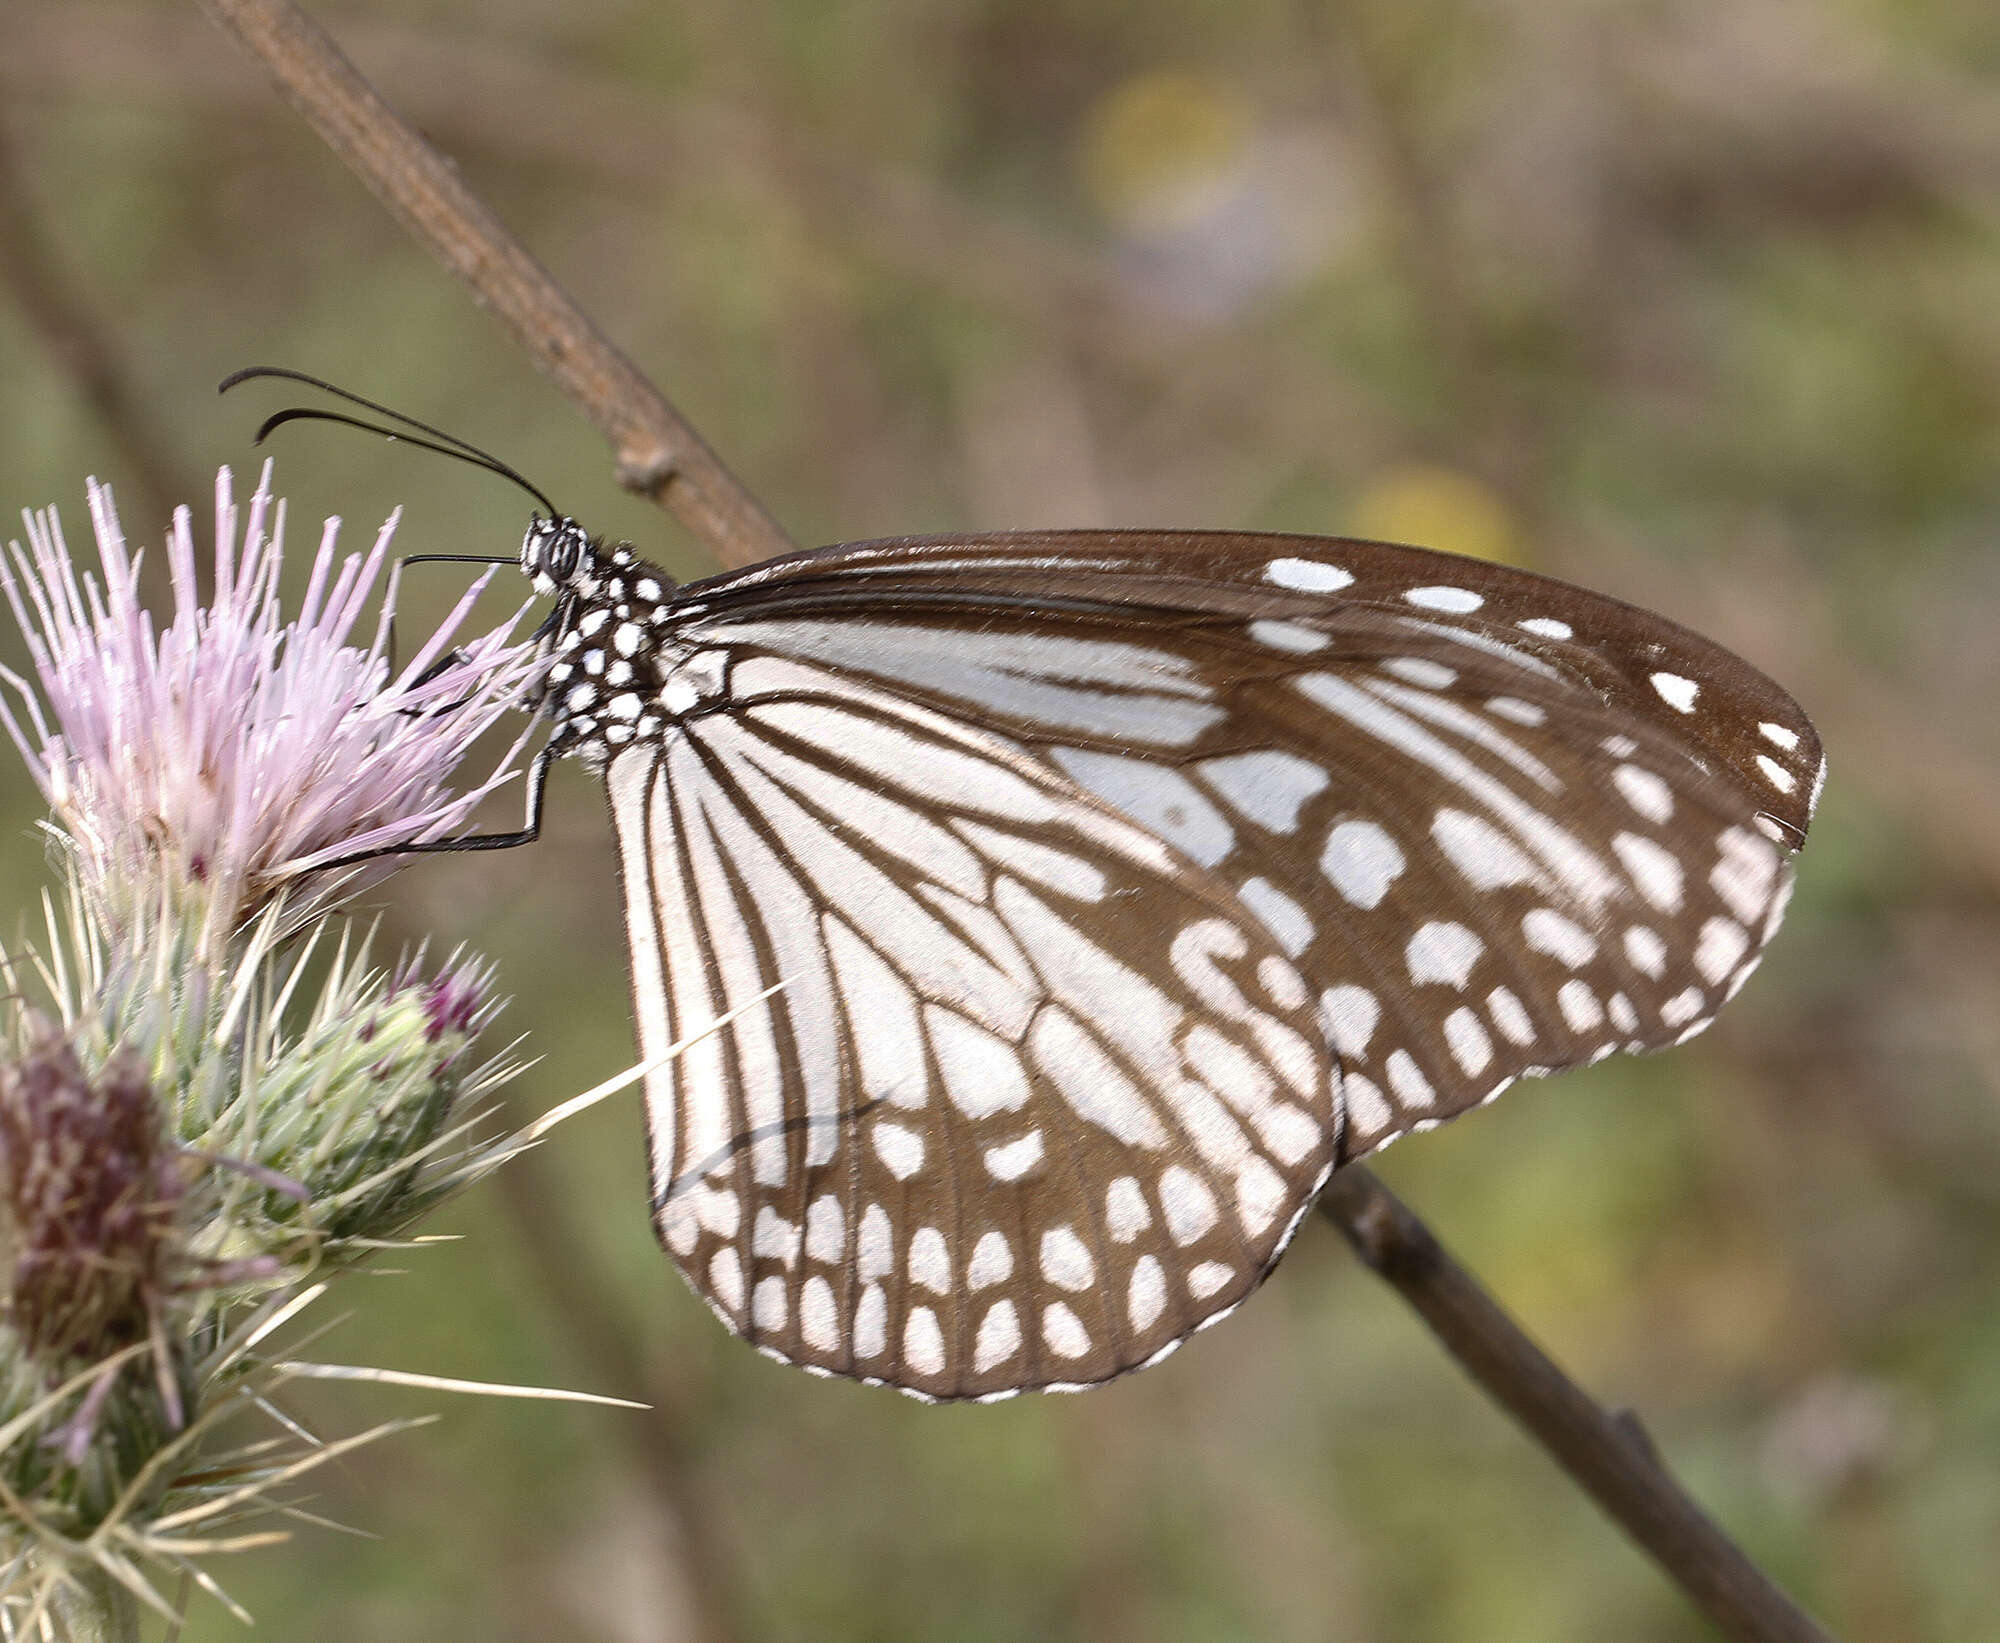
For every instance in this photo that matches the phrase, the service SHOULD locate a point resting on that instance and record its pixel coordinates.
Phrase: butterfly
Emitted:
(1048, 914)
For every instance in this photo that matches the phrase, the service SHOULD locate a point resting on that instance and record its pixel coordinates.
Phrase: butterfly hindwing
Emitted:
(1034, 1101)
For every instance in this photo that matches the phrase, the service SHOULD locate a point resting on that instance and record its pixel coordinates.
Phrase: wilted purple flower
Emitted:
(224, 759)
(88, 1188)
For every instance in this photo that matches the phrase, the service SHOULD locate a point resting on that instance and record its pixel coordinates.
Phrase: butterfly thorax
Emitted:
(617, 673)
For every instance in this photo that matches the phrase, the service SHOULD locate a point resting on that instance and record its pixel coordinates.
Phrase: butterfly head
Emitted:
(556, 553)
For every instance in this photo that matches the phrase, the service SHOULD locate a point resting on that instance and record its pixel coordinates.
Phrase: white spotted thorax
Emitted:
(1118, 886)
(617, 675)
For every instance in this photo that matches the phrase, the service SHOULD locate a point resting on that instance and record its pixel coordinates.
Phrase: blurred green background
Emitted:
(1697, 302)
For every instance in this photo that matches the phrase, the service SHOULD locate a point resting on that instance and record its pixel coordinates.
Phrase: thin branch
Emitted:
(659, 455)
(1608, 1454)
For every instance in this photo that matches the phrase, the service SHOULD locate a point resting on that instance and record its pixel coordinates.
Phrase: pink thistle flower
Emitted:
(229, 757)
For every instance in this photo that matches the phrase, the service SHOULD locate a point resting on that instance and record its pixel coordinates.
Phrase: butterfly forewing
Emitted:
(1122, 884)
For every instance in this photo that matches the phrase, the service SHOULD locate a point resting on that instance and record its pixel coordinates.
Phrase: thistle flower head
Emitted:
(238, 1103)
(230, 756)
(88, 1190)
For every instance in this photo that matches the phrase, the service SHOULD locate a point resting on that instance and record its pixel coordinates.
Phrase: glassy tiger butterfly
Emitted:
(1121, 886)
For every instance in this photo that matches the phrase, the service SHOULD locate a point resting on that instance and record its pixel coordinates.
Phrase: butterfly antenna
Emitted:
(439, 441)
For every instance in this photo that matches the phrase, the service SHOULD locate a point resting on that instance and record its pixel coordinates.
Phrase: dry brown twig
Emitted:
(660, 456)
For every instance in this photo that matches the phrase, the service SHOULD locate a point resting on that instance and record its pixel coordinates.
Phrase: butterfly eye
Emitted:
(552, 548)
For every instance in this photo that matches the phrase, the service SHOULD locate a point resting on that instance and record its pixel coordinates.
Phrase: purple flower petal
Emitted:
(234, 752)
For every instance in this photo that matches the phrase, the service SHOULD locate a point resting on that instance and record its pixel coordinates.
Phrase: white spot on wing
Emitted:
(1546, 627)
(1282, 983)
(992, 1261)
(1281, 915)
(1013, 1159)
(1367, 1111)
(1547, 931)
(1682, 1008)
(1362, 861)
(1146, 1295)
(1646, 951)
(1350, 1014)
(1307, 575)
(1579, 1006)
(982, 1071)
(1187, 1203)
(826, 1230)
(1421, 671)
(1484, 855)
(1063, 1332)
(871, 1323)
(1125, 1211)
(999, 1337)
(1654, 869)
(1646, 792)
(930, 1261)
(1289, 636)
(1407, 1079)
(1678, 693)
(725, 1277)
(1442, 951)
(1721, 944)
(769, 1307)
(1779, 736)
(1064, 1260)
(1459, 601)
(1511, 1016)
(774, 1238)
(875, 1254)
(1266, 787)
(1260, 1194)
(1289, 1132)
(819, 1323)
(1158, 798)
(900, 1149)
(1746, 875)
(923, 1342)
(1466, 1038)
(1776, 774)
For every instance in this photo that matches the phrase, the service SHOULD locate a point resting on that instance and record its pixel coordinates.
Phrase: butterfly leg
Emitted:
(529, 830)
(456, 656)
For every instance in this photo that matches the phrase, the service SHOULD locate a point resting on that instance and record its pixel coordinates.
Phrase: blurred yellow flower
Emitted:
(1161, 149)
(1435, 507)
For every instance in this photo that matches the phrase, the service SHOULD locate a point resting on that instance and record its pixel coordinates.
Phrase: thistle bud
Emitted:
(359, 1105)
